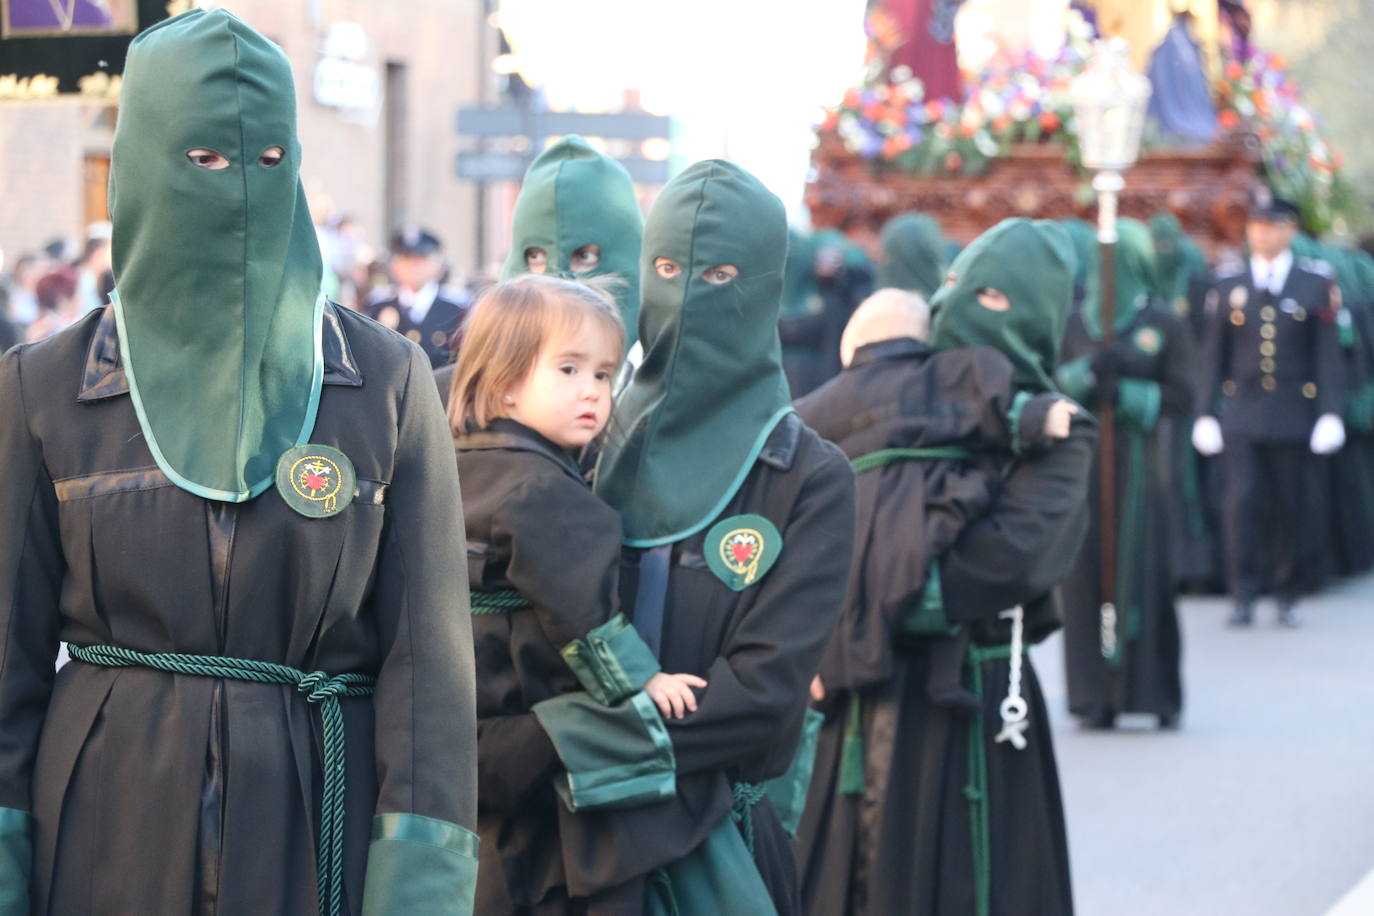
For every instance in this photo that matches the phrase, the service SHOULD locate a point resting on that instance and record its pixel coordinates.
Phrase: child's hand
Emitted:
(672, 693)
(1057, 419)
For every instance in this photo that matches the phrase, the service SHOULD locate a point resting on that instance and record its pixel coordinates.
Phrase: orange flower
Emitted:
(953, 162)
(898, 99)
(934, 110)
(852, 98)
(1229, 119)
(1001, 122)
(1049, 121)
(1234, 71)
(829, 122)
(895, 146)
(1277, 62)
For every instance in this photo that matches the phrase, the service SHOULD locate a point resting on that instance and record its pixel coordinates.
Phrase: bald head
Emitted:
(887, 314)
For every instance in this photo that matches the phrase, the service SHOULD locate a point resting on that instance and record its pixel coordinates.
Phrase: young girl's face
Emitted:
(566, 395)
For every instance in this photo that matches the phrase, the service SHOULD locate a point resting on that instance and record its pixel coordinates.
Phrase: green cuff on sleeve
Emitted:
(1076, 378)
(788, 791)
(612, 661)
(928, 617)
(419, 866)
(1018, 406)
(1137, 403)
(16, 861)
(616, 756)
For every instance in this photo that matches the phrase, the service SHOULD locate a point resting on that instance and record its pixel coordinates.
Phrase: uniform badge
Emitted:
(438, 338)
(1147, 340)
(1239, 296)
(414, 336)
(315, 480)
(741, 549)
(389, 317)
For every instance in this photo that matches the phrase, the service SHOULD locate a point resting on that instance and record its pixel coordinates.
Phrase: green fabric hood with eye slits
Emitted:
(1032, 264)
(711, 387)
(217, 271)
(574, 196)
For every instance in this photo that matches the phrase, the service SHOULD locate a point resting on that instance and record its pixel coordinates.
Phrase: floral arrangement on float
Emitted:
(1020, 97)
(1258, 95)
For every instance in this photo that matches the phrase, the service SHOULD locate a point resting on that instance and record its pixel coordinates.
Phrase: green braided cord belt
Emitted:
(889, 455)
(500, 601)
(747, 795)
(976, 789)
(317, 687)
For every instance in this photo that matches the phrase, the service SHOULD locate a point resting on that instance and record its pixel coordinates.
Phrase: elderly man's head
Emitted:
(887, 314)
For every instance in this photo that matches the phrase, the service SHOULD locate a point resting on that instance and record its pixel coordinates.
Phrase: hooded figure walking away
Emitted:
(916, 804)
(225, 494)
(1130, 660)
(737, 521)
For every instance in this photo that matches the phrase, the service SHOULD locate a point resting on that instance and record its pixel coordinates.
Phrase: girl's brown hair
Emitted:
(508, 327)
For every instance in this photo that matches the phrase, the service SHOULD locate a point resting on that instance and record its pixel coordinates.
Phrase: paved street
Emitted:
(1263, 804)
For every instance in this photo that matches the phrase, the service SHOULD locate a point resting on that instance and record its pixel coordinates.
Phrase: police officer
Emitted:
(1271, 391)
(417, 305)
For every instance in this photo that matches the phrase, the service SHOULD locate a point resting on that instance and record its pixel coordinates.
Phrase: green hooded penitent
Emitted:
(711, 387)
(801, 295)
(914, 251)
(1032, 264)
(217, 271)
(1136, 279)
(1083, 235)
(573, 197)
(1177, 259)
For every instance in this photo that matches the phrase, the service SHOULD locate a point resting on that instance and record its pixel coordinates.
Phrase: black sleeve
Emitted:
(424, 701)
(564, 546)
(31, 573)
(1214, 354)
(1330, 360)
(1031, 537)
(1177, 368)
(758, 684)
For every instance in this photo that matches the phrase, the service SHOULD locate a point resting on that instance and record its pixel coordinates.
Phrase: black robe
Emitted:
(532, 525)
(757, 648)
(1156, 352)
(906, 845)
(159, 793)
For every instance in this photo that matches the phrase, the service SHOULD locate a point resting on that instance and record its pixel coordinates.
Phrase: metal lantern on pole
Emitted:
(1109, 101)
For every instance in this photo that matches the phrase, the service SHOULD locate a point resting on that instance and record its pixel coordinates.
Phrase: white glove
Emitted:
(1207, 436)
(1328, 435)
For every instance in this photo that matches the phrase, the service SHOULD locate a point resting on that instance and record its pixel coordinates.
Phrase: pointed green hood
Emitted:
(914, 253)
(1137, 281)
(800, 291)
(217, 272)
(573, 196)
(1083, 234)
(1032, 264)
(1177, 257)
(711, 387)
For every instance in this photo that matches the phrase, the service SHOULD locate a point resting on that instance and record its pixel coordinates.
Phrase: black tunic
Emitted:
(160, 793)
(906, 845)
(757, 648)
(1154, 352)
(532, 525)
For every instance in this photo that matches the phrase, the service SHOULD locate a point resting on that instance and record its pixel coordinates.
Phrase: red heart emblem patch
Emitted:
(742, 552)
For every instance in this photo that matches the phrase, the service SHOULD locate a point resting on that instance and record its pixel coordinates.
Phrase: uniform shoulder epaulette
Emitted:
(1317, 266)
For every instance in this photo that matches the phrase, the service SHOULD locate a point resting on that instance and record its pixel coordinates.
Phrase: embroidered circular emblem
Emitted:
(1238, 318)
(741, 549)
(438, 338)
(315, 480)
(1147, 340)
(1239, 295)
(414, 336)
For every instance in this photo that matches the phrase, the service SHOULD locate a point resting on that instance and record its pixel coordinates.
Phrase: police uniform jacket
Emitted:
(1271, 364)
(437, 333)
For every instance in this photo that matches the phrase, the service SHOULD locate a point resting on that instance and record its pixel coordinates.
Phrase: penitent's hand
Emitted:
(817, 689)
(672, 693)
(1058, 417)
